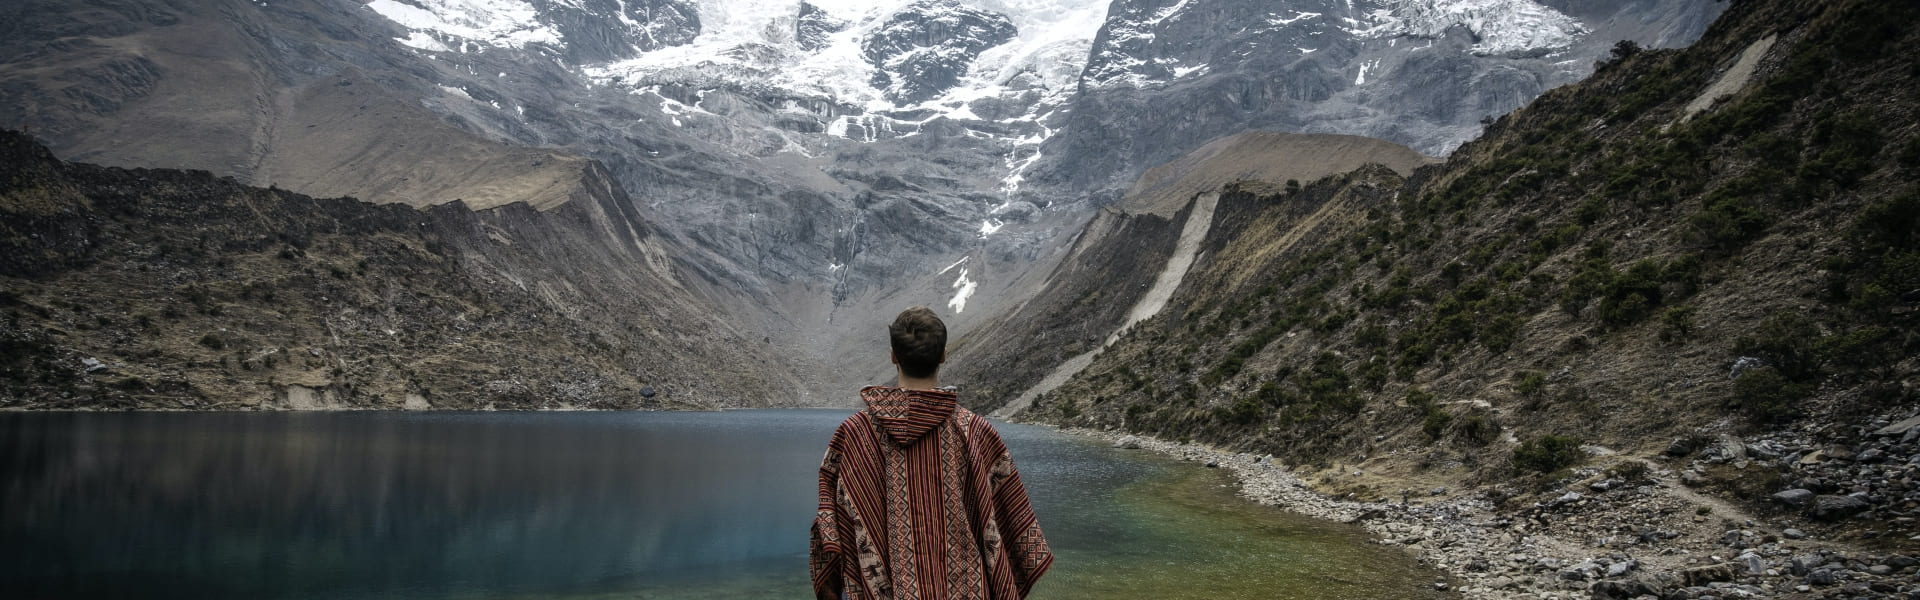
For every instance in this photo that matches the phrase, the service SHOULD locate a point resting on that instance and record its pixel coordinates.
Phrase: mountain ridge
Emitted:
(165, 289)
(1601, 268)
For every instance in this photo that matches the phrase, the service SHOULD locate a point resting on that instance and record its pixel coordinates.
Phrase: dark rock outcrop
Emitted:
(925, 48)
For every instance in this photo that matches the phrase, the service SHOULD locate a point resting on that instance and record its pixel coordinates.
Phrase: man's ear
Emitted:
(896, 358)
(943, 356)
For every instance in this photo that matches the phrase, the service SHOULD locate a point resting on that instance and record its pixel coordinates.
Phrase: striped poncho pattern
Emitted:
(920, 500)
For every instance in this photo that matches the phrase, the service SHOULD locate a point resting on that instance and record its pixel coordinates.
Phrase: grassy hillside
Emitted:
(166, 289)
(1602, 267)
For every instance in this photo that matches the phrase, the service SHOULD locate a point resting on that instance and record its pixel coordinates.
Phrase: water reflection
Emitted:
(615, 505)
(427, 505)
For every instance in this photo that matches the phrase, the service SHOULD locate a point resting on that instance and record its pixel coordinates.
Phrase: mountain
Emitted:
(1692, 246)
(168, 289)
(1165, 76)
(812, 163)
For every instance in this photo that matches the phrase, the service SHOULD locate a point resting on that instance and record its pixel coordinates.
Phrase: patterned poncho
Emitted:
(919, 499)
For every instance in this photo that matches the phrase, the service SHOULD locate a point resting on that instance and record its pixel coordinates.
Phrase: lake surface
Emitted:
(582, 505)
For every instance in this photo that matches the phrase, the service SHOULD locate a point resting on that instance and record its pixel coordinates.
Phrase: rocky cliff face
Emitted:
(1165, 76)
(816, 161)
(1679, 248)
(154, 288)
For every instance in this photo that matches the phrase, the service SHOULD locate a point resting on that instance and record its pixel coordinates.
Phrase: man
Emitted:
(918, 496)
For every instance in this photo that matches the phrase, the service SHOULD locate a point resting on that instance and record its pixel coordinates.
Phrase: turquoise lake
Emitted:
(582, 505)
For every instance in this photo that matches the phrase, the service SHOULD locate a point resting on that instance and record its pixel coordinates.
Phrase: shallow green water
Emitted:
(581, 505)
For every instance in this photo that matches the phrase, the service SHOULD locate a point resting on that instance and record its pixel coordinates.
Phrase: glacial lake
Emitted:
(583, 505)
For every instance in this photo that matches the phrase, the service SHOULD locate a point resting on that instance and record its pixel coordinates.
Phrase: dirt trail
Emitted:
(1199, 221)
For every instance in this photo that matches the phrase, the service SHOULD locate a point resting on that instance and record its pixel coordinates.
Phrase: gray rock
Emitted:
(1584, 570)
(1213, 464)
(1871, 455)
(1730, 448)
(1635, 587)
(1699, 576)
(1839, 452)
(92, 365)
(928, 46)
(1820, 577)
(1901, 561)
(1622, 568)
(1680, 447)
(1128, 443)
(1901, 428)
(1793, 534)
(1755, 565)
(1743, 364)
(1834, 508)
(1794, 497)
(1880, 570)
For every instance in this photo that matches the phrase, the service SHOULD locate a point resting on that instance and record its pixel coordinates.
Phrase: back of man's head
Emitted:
(919, 342)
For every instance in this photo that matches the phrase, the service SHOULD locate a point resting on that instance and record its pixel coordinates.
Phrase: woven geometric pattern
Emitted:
(918, 499)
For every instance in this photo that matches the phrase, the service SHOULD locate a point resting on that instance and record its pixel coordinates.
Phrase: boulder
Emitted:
(1622, 568)
(1128, 443)
(1839, 452)
(1820, 577)
(1794, 497)
(1900, 428)
(1680, 447)
(1700, 576)
(1834, 508)
(1634, 587)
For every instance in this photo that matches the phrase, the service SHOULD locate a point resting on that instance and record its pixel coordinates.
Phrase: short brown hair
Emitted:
(919, 341)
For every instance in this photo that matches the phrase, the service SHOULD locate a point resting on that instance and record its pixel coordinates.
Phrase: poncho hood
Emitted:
(907, 415)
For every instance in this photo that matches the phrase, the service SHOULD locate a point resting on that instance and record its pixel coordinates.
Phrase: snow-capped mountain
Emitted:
(1166, 76)
(813, 156)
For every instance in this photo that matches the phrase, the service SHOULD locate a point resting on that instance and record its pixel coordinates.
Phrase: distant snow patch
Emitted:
(1298, 17)
(1498, 26)
(502, 23)
(966, 287)
(420, 40)
(989, 226)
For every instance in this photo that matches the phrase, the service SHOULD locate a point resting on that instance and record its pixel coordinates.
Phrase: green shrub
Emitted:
(1592, 210)
(1420, 399)
(1500, 332)
(1676, 324)
(1633, 472)
(1246, 411)
(1478, 430)
(1887, 225)
(1547, 454)
(1767, 396)
(1436, 424)
(1530, 383)
(1861, 347)
(1785, 343)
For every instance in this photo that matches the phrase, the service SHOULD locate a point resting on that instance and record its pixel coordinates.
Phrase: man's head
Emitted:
(919, 342)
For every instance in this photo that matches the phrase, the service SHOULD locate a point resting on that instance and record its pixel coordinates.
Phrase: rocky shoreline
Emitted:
(1614, 531)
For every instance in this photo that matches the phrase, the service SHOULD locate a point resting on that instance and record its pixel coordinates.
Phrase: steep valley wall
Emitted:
(164, 289)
